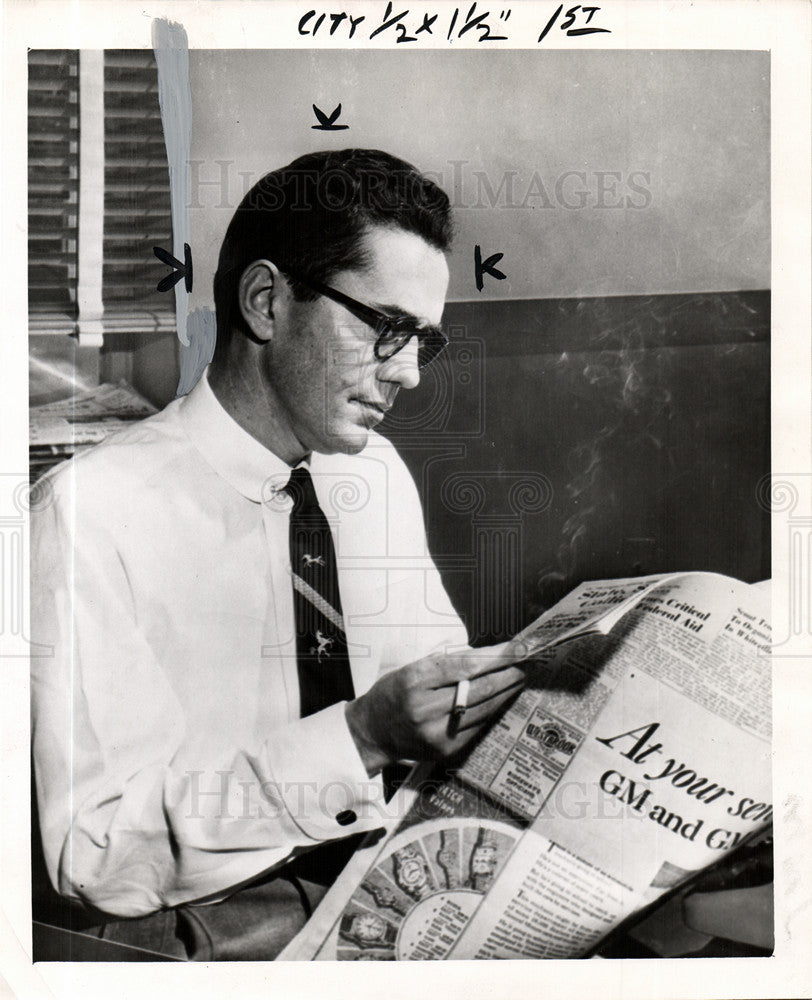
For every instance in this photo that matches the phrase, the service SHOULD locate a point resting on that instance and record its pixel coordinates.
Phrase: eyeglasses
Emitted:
(394, 332)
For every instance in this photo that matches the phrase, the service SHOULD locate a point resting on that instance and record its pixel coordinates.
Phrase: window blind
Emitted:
(137, 212)
(53, 186)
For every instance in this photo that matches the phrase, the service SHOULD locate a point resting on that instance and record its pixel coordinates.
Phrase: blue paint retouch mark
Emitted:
(197, 332)
(201, 328)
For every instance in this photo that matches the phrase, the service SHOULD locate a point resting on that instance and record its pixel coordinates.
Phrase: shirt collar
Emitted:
(254, 471)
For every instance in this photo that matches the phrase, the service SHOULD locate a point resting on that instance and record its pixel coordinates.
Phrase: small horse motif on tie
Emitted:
(324, 643)
(312, 560)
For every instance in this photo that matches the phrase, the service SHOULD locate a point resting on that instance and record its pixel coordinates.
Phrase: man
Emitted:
(219, 702)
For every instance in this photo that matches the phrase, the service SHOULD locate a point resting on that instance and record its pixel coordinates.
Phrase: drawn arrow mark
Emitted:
(325, 122)
(483, 267)
(182, 270)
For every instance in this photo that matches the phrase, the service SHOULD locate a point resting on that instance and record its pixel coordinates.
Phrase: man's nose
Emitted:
(402, 367)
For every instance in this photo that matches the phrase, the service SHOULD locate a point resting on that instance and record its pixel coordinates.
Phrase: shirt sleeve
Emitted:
(422, 620)
(137, 814)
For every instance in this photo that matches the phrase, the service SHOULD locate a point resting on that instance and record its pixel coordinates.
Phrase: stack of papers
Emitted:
(58, 431)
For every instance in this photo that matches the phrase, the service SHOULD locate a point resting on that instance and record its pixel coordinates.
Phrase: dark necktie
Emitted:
(321, 643)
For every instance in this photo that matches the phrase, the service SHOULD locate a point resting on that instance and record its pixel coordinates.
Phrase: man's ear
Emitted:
(259, 287)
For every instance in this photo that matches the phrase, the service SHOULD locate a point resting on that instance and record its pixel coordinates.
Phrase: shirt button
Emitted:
(345, 817)
(273, 491)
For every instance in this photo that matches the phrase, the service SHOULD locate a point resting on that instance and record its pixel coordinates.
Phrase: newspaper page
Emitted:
(87, 417)
(627, 764)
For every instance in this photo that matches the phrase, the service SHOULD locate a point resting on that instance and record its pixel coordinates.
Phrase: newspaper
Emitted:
(87, 417)
(631, 761)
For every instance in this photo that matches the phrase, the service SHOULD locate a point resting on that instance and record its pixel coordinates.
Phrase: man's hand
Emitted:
(405, 714)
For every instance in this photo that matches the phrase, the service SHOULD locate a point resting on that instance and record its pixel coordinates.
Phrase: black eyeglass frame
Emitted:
(432, 339)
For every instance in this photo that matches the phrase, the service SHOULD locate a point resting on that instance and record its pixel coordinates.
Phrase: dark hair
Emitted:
(311, 216)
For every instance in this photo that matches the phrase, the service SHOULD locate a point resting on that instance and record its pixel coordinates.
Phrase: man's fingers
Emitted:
(490, 658)
(516, 651)
(445, 670)
(441, 701)
(489, 685)
(432, 713)
(478, 715)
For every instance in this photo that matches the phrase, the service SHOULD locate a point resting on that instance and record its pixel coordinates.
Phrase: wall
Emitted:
(695, 123)
(578, 439)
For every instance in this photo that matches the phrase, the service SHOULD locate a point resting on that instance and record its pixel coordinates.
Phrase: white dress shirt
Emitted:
(170, 759)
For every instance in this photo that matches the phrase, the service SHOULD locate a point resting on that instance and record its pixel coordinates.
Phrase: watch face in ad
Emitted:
(367, 934)
(368, 927)
(411, 871)
(423, 889)
(483, 860)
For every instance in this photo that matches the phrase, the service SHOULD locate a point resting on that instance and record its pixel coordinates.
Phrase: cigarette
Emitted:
(460, 705)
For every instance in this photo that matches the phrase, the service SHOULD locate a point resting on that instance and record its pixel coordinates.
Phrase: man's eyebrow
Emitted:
(396, 311)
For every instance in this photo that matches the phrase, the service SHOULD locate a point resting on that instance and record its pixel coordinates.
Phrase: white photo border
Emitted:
(783, 28)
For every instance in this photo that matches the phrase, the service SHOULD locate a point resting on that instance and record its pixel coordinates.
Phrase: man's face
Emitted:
(320, 363)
